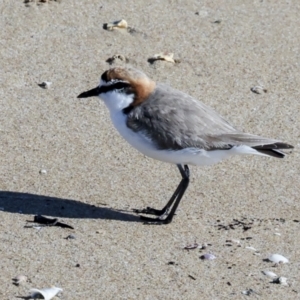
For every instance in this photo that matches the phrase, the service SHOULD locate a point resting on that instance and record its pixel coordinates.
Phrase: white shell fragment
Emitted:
(207, 256)
(258, 89)
(233, 241)
(43, 171)
(45, 84)
(19, 279)
(47, 293)
(277, 258)
(281, 280)
(117, 24)
(270, 274)
(251, 248)
(165, 56)
(192, 246)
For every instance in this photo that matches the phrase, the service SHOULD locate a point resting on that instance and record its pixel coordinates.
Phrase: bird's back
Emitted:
(174, 120)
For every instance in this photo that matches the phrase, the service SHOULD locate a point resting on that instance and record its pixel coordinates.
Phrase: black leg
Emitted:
(176, 197)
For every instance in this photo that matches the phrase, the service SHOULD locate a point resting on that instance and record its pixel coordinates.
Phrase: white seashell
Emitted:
(277, 258)
(43, 171)
(47, 293)
(258, 89)
(117, 24)
(282, 280)
(270, 274)
(166, 56)
(233, 241)
(251, 248)
(207, 256)
(45, 84)
(277, 233)
(19, 279)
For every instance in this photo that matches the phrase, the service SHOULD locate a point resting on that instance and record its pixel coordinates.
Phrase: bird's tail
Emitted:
(273, 149)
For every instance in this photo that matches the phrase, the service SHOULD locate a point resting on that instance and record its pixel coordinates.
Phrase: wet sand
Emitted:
(61, 156)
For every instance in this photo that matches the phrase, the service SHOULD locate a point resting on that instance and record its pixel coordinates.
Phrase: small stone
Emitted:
(19, 279)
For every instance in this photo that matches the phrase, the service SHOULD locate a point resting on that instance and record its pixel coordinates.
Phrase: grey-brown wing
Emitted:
(174, 120)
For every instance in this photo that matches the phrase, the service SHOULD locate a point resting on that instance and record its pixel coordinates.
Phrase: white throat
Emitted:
(116, 101)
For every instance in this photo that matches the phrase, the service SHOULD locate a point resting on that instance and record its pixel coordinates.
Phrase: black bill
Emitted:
(90, 93)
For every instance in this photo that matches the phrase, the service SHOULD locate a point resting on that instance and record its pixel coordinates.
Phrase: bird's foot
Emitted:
(156, 221)
(151, 211)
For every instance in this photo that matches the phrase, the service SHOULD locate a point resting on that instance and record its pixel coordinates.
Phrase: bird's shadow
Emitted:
(31, 204)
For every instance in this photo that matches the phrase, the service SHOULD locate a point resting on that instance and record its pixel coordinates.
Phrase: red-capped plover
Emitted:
(171, 126)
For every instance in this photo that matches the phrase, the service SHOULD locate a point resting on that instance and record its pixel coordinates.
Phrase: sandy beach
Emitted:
(62, 158)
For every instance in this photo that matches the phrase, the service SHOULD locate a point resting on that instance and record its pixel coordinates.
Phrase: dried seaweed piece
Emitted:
(49, 222)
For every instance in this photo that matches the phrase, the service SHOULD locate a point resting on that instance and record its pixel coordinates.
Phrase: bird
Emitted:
(170, 126)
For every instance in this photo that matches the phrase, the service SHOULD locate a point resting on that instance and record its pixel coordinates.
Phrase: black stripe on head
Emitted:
(117, 86)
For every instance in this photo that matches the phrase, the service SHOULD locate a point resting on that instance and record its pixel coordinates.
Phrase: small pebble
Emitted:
(117, 57)
(277, 258)
(43, 171)
(247, 292)
(71, 237)
(19, 279)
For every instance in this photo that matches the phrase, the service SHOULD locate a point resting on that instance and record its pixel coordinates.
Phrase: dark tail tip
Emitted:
(273, 149)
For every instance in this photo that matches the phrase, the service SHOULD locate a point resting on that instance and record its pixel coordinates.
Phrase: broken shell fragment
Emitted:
(280, 280)
(233, 241)
(45, 84)
(258, 89)
(19, 279)
(251, 248)
(207, 256)
(47, 293)
(164, 56)
(277, 258)
(270, 274)
(117, 24)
